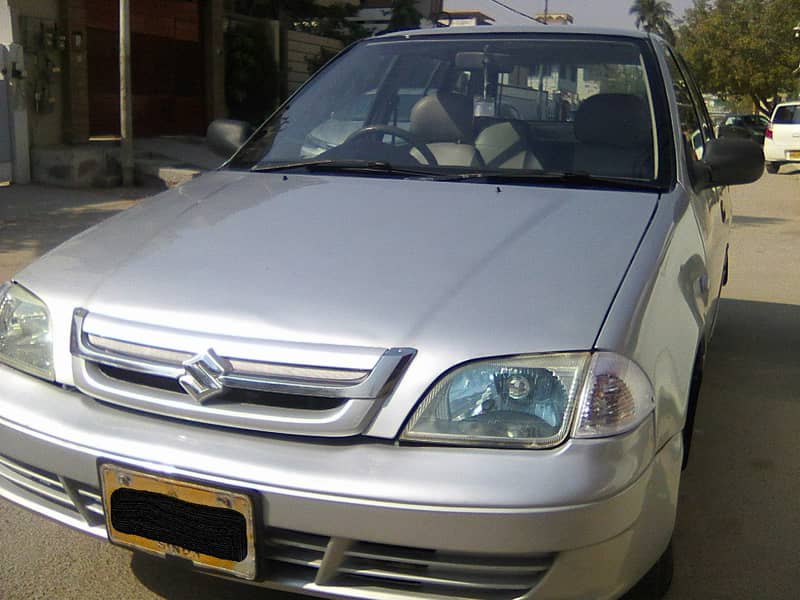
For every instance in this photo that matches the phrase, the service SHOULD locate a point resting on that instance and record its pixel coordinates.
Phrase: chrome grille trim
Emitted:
(38, 482)
(136, 351)
(187, 362)
(249, 367)
(117, 349)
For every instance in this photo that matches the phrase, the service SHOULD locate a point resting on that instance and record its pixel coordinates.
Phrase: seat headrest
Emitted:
(613, 119)
(442, 117)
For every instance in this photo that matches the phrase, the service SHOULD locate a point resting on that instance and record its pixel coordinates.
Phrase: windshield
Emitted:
(452, 104)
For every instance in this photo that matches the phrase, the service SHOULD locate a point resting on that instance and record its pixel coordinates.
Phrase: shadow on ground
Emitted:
(35, 219)
(745, 455)
(176, 581)
(790, 169)
(746, 221)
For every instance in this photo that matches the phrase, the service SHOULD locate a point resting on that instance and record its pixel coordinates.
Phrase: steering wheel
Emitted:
(397, 132)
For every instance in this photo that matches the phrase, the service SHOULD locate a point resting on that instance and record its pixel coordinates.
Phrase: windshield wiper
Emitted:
(345, 166)
(580, 178)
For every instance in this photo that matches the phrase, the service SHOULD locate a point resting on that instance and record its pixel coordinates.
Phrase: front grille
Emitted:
(328, 391)
(403, 571)
(71, 499)
(158, 382)
(229, 397)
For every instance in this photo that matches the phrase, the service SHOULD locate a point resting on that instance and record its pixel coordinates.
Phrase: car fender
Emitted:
(659, 316)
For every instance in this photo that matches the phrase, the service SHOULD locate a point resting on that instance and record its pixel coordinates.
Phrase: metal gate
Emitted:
(167, 64)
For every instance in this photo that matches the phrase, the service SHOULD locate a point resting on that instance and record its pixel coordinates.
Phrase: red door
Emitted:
(166, 67)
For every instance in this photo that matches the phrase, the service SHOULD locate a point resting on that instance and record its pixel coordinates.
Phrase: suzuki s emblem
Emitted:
(202, 377)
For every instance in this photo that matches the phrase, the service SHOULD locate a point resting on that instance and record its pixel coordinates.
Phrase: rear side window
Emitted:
(787, 115)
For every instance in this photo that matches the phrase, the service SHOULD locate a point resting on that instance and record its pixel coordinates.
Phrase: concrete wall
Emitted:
(44, 66)
(18, 135)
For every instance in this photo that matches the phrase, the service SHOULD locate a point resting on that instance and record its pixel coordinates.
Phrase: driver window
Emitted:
(691, 125)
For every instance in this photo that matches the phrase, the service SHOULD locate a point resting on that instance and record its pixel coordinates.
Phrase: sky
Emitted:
(587, 13)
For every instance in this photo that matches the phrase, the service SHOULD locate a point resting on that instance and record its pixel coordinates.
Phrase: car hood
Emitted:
(456, 270)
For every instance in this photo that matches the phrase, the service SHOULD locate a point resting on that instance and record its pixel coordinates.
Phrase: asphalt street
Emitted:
(738, 529)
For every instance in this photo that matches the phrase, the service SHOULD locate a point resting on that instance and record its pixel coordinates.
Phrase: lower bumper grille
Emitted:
(403, 570)
(66, 497)
(339, 566)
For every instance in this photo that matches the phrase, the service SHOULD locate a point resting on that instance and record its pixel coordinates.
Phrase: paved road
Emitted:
(738, 522)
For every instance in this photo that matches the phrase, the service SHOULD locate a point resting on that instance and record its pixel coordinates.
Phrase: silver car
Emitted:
(458, 360)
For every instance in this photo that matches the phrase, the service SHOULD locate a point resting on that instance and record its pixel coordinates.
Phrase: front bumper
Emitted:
(369, 519)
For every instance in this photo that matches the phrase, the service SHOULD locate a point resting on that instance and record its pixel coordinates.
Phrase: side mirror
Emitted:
(729, 161)
(224, 136)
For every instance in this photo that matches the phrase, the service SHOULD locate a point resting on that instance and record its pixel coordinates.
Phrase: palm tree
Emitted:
(653, 16)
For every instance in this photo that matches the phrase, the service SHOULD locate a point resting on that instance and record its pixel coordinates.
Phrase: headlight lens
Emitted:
(530, 401)
(25, 332)
(524, 401)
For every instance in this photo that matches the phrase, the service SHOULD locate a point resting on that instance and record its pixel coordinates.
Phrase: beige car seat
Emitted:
(443, 121)
(614, 137)
(503, 145)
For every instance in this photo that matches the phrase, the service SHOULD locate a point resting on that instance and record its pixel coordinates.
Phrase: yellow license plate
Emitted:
(210, 526)
(793, 154)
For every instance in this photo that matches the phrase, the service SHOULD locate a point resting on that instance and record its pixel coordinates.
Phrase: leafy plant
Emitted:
(404, 15)
(743, 48)
(252, 80)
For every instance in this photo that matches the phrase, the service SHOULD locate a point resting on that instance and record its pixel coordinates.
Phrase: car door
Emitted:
(711, 205)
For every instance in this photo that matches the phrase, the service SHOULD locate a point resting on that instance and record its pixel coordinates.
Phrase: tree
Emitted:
(742, 48)
(251, 80)
(653, 16)
(404, 15)
(333, 21)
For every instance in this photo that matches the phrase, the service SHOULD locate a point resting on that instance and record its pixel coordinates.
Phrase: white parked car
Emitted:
(782, 138)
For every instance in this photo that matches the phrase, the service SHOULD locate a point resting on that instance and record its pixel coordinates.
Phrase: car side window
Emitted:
(695, 134)
(706, 122)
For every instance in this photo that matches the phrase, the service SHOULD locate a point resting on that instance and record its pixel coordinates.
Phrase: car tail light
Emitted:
(768, 132)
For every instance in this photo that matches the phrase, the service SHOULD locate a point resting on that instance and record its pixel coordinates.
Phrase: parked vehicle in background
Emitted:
(782, 138)
(750, 126)
(453, 357)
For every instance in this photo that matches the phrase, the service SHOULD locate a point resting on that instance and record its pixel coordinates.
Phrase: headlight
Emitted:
(25, 332)
(530, 401)
(524, 401)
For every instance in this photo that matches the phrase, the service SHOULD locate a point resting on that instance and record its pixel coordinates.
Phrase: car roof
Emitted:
(488, 30)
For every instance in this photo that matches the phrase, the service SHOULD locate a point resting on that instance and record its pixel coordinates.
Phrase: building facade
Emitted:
(375, 14)
(66, 89)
